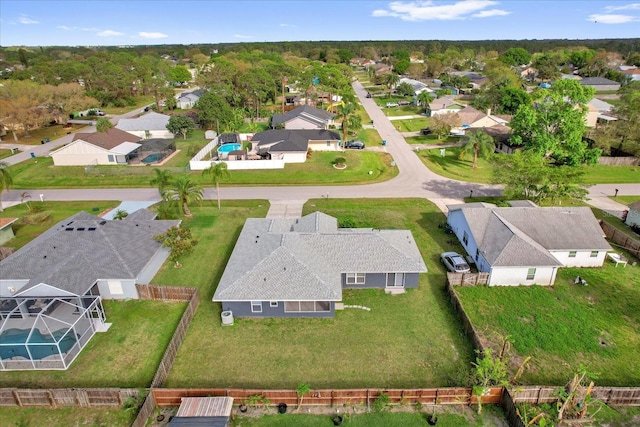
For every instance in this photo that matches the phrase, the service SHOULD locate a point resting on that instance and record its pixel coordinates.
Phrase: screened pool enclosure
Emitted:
(46, 333)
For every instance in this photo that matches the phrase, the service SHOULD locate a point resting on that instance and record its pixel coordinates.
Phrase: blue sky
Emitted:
(93, 22)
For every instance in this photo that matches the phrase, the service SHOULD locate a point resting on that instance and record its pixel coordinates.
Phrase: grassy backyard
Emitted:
(451, 166)
(69, 416)
(126, 356)
(567, 325)
(412, 125)
(318, 169)
(406, 340)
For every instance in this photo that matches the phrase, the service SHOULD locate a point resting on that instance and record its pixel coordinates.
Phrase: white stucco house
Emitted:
(148, 126)
(303, 117)
(113, 147)
(526, 244)
(633, 216)
(292, 145)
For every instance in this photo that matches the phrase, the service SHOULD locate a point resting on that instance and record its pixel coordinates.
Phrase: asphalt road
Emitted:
(413, 179)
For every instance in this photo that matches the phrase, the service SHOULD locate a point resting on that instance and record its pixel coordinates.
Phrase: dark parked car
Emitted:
(355, 144)
(454, 262)
(426, 131)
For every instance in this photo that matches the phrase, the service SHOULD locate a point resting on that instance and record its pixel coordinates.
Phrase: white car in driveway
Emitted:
(454, 262)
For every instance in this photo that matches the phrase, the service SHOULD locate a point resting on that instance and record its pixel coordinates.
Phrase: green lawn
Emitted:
(127, 355)
(566, 325)
(65, 417)
(450, 417)
(45, 215)
(35, 136)
(318, 169)
(432, 140)
(451, 166)
(405, 110)
(408, 340)
(412, 125)
(6, 153)
(625, 200)
(604, 174)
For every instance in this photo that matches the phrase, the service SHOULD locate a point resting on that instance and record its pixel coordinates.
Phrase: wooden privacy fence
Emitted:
(469, 331)
(535, 395)
(619, 161)
(621, 239)
(54, 398)
(167, 293)
(468, 279)
(365, 397)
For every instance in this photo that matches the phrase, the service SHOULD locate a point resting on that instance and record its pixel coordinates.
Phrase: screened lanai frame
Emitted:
(46, 333)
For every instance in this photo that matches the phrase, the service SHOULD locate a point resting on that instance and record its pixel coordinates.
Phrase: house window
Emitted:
(328, 143)
(594, 254)
(256, 306)
(273, 304)
(355, 278)
(465, 238)
(572, 254)
(306, 306)
(531, 274)
(111, 158)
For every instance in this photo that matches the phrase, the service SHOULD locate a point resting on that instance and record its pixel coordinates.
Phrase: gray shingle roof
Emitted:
(291, 139)
(597, 81)
(303, 259)
(309, 113)
(84, 248)
(149, 121)
(524, 236)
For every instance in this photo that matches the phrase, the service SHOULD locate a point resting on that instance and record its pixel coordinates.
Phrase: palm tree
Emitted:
(391, 79)
(24, 196)
(6, 179)
(425, 98)
(478, 142)
(120, 215)
(184, 191)
(161, 180)
(217, 172)
(345, 112)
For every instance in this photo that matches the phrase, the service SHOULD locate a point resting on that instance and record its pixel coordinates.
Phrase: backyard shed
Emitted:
(203, 411)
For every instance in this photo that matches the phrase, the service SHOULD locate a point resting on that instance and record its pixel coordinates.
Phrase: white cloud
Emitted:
(110, 33)
(490, 13)
(632, 6)
(67, 28)
(612, 19)
(428, 11)
(64, 27)
(146, 35)
(24, 19)
(242, 36)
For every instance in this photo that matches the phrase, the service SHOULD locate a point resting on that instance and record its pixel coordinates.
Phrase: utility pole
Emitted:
(284, 82)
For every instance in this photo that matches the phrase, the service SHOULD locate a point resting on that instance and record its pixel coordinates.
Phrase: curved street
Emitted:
(413, 179)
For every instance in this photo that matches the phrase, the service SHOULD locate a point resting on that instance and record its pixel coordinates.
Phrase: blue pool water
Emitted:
(227, 148)
(18, 346)
(154, 158)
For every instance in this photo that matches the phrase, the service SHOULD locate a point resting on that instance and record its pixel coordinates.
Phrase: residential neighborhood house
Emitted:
(303, 117)
(443, 105)
(292, 145)
(417, 85)
(187, 100)
(600, 84)
(6, 231)
(297, 267)
(633, 216)
(525, 244)
(147, 126)
(113, 147)
(55, 284)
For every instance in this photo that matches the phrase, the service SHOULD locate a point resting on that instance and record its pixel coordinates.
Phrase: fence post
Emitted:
(16, 396)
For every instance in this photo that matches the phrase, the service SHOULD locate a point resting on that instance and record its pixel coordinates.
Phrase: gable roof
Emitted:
(306, 112)
(149, 121)
(5, 222)
(635, 206)
(291, 140)
(527, 236)
(193, 95)
(468, 115)
(302, 259)
(597, 81)
(442, 103)
(108, 139)
(84, 248)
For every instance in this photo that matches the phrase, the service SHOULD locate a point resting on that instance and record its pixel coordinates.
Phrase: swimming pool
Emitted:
(227, 148)
(14, 343)
(154, 158)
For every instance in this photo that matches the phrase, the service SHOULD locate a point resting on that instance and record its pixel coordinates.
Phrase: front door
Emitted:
(395, 280)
